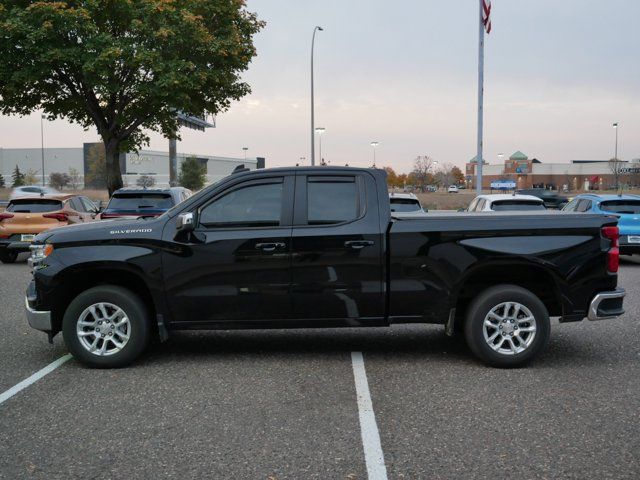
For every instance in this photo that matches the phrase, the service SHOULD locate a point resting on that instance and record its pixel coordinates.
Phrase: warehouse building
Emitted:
(133, 165)
(576, 175)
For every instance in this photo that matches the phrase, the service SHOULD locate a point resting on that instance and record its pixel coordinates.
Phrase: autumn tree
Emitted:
(392, 178)
(122, 66)
(457, 175)
(422, 174)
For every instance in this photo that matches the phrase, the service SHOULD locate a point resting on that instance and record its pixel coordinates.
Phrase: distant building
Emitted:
(576, 175)
(132, 165)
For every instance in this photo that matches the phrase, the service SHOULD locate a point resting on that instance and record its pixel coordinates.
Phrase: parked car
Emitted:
(405, 205)
(317, 247)
(24, 218)
(143, 202)
(550, 198)
(32, 191)
(505, 202)
(625, 207)
(452, 189)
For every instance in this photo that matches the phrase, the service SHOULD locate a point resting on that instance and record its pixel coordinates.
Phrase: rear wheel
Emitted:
(106, 327)
(8, 257)
(507, 326)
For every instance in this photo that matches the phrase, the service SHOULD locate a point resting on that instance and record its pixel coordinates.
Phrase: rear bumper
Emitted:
(628, 247)
(40, 320)
(606, 305)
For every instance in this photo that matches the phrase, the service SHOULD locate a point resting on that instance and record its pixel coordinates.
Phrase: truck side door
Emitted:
(237, 264)
(337, 248)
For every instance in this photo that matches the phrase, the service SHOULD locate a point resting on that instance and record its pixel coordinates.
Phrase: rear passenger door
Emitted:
(337, 246)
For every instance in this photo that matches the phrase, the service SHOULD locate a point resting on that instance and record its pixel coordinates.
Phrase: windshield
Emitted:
(508, 205)
(140, 201)
(621, 206)
(405, 205)
(34, 206)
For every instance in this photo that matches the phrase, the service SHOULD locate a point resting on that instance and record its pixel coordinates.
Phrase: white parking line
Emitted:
(4, 396)
(373, 456)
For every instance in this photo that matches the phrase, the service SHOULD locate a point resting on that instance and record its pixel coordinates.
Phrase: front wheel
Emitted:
(507, 326)
(106, 327)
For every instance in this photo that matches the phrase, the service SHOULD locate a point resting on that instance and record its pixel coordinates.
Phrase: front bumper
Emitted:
(38, 319)
(606, 305)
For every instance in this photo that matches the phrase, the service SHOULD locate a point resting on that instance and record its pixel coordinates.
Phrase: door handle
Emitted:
(269, 247)
(358, 244)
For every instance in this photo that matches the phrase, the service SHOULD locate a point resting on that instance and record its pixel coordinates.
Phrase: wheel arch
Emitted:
(74, 281)
(536, 278)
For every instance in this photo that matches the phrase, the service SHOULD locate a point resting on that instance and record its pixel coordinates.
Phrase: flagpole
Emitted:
(480, 97)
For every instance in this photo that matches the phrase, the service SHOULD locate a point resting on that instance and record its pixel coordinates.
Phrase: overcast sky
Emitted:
(557, 75)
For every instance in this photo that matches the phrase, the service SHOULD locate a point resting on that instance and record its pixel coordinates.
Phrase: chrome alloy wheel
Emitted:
(509, 328)
(103, 329)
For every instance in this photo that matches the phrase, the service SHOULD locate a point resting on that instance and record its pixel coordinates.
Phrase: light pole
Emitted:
(313, 120)
(42, 145)
(615, 127)
(374, 145)
(245, 152)
(320, 131)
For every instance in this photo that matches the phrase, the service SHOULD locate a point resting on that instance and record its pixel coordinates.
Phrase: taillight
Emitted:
(613, 255)
(61, 217)
(4, 216)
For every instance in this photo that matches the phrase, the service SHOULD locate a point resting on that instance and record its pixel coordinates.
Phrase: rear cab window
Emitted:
(34, 205)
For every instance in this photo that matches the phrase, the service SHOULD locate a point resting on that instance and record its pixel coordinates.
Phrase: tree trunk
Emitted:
(113, 173)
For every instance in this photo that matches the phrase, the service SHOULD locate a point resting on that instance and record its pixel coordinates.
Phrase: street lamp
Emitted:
(374, 145)
(319, 131)
(245, 152)
(42, 145)
(313, 120)
(615, 127)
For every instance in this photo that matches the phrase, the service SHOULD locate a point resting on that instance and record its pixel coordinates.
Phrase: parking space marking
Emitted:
(373, 456)
(4, 396)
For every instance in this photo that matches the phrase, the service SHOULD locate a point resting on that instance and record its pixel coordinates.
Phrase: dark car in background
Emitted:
(551, 198)
(143, 202)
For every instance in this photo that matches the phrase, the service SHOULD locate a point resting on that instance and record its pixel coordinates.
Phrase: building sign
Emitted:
(503, 185)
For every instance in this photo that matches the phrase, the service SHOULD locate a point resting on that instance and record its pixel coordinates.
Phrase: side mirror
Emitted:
(185, 222)
(462, 210)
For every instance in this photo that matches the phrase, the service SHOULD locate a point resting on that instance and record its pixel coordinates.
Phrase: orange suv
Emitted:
(25, 217)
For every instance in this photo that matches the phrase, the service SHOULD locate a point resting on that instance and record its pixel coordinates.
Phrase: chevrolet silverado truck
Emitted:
(318, 247)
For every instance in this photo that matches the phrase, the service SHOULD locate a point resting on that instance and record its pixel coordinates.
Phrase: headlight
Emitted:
(40, 252)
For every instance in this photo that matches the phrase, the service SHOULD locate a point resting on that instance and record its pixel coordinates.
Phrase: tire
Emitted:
(109, 316)
(8, 257)
(520, 326)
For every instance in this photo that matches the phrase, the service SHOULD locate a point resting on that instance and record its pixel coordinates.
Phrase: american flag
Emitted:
(486, 15)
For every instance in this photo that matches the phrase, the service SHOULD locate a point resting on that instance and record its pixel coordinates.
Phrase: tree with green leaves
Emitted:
(193, 174)
(17, 177)
(124, 66)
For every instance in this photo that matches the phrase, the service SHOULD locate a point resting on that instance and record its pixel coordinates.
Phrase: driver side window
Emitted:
(253, 205)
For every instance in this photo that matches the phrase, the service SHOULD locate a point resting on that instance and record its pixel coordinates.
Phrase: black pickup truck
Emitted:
(318, 247)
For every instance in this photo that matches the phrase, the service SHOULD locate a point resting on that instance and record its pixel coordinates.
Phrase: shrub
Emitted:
(59, 180)
(146, 181)
(192, 174)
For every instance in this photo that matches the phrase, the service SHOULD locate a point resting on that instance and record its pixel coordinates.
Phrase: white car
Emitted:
(32, 191)
(505, 202)
(452, 189)
(405, 205)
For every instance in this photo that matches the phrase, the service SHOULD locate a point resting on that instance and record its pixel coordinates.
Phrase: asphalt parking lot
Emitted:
(283, 404)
